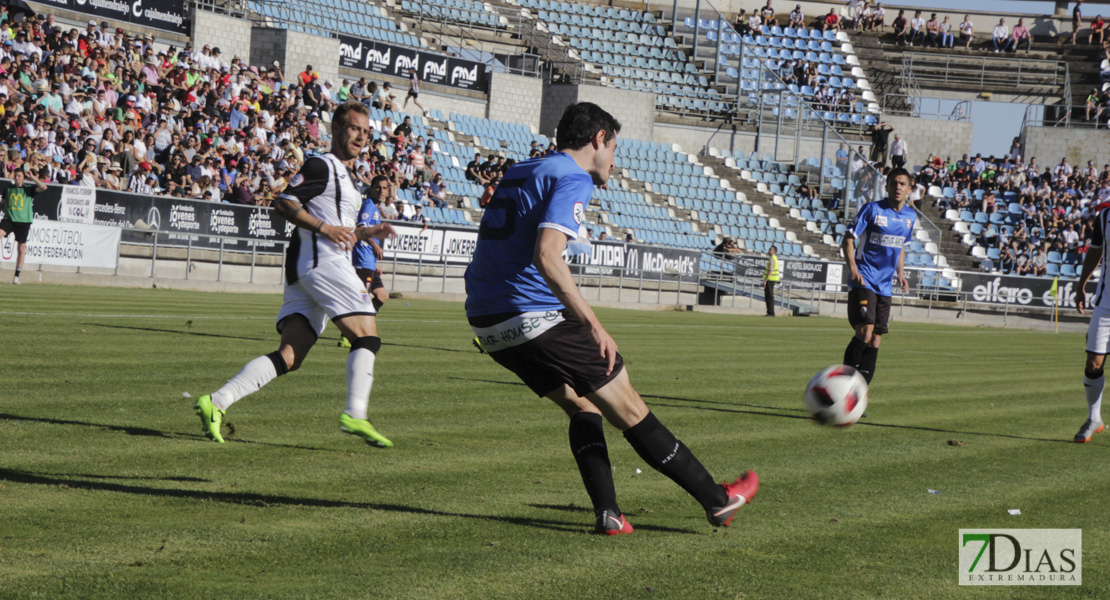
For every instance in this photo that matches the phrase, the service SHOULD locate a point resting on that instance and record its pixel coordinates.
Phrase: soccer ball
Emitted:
(837, 396)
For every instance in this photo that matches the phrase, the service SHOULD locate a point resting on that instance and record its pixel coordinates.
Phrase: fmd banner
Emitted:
(398, 61)
(167, 15)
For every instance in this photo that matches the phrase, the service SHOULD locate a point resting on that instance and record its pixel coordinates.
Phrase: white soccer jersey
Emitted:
(1098, 244)
(327, 191)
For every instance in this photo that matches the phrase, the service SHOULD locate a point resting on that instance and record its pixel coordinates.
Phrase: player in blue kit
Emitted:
(524, 306)
(874, 249)
(365, 255)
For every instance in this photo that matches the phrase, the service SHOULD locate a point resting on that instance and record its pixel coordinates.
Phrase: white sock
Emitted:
(1093, 387)
(360, 378)
(254, 375)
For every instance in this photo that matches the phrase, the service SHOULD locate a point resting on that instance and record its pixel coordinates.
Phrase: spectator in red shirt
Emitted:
(1098, 28)
(831, 21)
(306, 75)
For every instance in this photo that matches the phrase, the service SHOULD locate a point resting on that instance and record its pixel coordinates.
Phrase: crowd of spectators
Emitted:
(103, 108)
(1055, 203)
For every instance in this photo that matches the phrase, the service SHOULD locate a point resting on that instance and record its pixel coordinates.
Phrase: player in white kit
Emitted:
(1098, 332)
(320, 281)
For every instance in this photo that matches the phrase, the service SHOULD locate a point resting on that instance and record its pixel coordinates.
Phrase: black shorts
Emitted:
(867, 307)
(565, 354)
(21, 230)
(412, 94)
(371, 277)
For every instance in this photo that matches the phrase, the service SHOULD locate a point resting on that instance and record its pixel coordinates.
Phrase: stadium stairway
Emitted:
(772, 210)
(556, 54)
(955, 251)
(654, 199)
(503, 38)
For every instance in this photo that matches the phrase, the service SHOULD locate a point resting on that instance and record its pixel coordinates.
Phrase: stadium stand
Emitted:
(1018, 218)
(323, 17)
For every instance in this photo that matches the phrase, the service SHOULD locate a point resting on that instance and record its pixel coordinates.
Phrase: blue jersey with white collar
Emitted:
(882, 234)
(363, 255)
(539, 193)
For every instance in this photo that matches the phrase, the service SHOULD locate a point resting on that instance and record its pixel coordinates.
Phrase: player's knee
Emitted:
(1092, 372)
(372, 343)
(280, 364)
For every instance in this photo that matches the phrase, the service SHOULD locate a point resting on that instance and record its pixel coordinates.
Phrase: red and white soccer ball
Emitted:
(837, 396)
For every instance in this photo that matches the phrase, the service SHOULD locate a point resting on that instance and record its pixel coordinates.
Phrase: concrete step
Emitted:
(770, 209)
(951, 243)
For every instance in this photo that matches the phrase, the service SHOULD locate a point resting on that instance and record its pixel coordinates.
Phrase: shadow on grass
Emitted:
(690, 403)
(147, 432)
(873, 424)
(181, 332)
(269, 500)
(384, 343)
(181, 478)
(802, 414)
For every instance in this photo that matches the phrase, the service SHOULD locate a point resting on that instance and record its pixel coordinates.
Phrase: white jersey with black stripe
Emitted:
(1098, 244)
(325, 188)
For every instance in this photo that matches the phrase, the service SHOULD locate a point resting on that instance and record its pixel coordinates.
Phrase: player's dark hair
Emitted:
(339, 117)
(895, 172)
(378, 178)
(581, 122)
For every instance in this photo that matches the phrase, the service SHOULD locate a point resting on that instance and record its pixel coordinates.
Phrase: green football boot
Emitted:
(210, 418)
(362, 427)
(344, 342)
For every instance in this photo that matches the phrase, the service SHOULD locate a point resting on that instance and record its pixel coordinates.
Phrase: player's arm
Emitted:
(39, 186)
(1090, 263)
(371, 233)
(855, 229)
(902, 272)
(548, 259)
(849, 247)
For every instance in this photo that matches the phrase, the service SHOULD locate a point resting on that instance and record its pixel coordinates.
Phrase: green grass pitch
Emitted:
(109, 490)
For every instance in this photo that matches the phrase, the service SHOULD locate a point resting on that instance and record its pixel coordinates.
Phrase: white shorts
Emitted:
(330, 291)
(1098, 332)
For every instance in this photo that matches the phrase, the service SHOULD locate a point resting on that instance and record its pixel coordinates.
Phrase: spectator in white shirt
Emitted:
(967, 31)
(797, 19)
(1063, 168)
(899, 152)
(917, 28)
(1001, 36)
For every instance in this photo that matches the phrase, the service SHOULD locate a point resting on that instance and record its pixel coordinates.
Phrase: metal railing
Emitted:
(1011, 72)
(231, 8)
(437, 21)
(1059, 115)
(925, 108)
(432, 273)
(170, 242)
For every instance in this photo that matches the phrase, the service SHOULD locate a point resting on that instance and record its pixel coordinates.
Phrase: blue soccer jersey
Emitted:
(363, 255)
(881, 235)
(551, 192)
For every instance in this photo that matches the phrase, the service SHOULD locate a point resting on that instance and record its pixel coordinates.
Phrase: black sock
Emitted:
(664, 453)
(377, 303)
(867, 363)
(18, 271)
(853, 354)
(587, 444)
